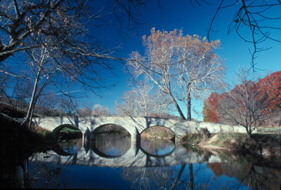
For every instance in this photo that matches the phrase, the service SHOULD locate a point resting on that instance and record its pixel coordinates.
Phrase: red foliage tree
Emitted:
(270, 92)
(248, 103)
(210, 109)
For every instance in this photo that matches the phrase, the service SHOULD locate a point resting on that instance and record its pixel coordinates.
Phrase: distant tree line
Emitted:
(249, 103)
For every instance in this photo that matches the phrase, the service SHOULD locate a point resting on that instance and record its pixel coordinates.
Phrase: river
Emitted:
(112, 161)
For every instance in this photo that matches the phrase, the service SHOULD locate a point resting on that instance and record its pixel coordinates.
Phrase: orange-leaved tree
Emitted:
(210, 109)
(270, 92)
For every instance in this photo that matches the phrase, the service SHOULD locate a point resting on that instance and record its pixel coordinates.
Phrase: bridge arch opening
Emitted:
(158, 132)
(157, 141)
(69, 138)
(111, 128)
(110, 141)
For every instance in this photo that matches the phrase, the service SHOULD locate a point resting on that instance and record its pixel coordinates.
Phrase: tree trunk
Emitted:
(32, 100)
(249, 130)
(249, 134)
(178, 177)
(177, 106)
(190, 169)
(188, 99)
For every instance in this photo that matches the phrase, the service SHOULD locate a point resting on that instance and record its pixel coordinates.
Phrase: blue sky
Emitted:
(191, 20)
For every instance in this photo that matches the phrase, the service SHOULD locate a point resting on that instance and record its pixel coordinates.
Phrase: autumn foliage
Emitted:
(210, 110)
(270, 92)
(261, 99)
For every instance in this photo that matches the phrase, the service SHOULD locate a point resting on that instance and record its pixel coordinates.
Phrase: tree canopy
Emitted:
(181, 66)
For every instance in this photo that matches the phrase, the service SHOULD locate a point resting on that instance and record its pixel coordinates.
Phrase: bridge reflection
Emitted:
(111, 145)
(132, 154)
(157, 147)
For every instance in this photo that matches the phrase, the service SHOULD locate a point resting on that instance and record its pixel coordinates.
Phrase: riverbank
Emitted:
(264, 148)
(19, 142)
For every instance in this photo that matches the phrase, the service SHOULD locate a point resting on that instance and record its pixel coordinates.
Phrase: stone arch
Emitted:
(56, 131)
(102, 142)
(130, 126)
(164, 131)
(110, 129)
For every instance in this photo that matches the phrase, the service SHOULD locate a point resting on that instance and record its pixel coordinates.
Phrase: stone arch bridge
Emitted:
(134, 125)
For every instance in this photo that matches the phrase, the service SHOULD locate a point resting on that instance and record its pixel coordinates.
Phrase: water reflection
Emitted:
(157, 147)
(148, 177)
(170, 167)
(111, 145)
(238, 174)
(249, 174)
(71, 146)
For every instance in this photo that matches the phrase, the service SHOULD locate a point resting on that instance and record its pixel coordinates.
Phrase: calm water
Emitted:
(114, 162)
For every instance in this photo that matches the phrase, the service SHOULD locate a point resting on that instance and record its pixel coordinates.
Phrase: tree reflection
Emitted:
(190, 176)
(142, 177)
(178, 177)
(240, 174)
(159, 177)
(249, 174)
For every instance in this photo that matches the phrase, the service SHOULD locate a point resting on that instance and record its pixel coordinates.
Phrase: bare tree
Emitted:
(99, 110)
(256, 17)
(240, 105)
(67, 105)
(143, 100)
(59, 38)
(199, 68)
(174, 60)
(21, 93)
(85, 111)
(24, 22)
(47, 104)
